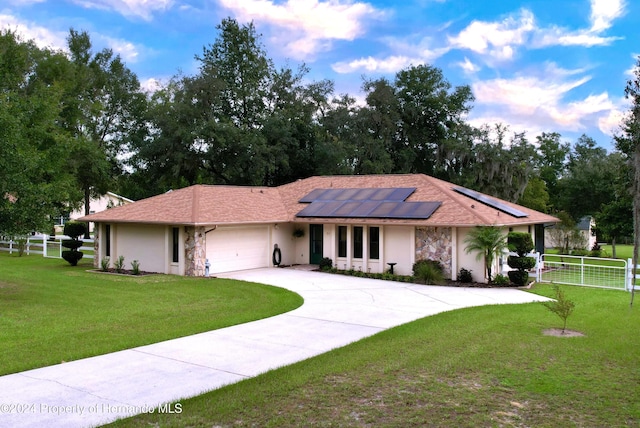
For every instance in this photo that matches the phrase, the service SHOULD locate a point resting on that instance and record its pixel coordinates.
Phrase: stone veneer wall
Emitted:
(195, 250)
(96, 244)
(435, 243)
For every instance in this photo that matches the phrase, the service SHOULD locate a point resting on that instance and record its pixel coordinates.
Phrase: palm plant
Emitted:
(487, 241)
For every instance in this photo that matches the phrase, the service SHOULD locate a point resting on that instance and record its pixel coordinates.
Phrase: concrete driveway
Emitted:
(337, 310)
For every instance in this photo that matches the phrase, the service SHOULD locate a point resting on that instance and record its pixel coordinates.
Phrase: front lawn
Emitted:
(477, 367)
(51, 312)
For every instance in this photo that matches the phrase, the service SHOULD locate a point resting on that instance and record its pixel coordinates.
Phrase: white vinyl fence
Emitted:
(46, 245)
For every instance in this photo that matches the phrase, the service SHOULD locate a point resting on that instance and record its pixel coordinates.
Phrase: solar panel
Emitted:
(370, 209)
(494, 203)
(359, 194)
(366, 203)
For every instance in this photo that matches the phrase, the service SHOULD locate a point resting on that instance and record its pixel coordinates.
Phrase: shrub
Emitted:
(519, 277)
(428, 271)
(72, 244)
(104, 264)
(135, 267)
(74, 230)
(465, 275)
(119, 264)
(501, 280)
(326, 264)
(521, 243)
(579, 252)
(521, 263)
(72, 256)
(436, 264)
(596, 250)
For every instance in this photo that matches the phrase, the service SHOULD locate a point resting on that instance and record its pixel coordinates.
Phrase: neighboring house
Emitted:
(108, 200)
(585, 238)
(587, 227)
(360, 222)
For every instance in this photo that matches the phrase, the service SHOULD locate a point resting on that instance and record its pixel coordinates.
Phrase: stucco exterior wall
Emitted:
(399, 247)
(435, 243)
(145, 243)
(283, 236)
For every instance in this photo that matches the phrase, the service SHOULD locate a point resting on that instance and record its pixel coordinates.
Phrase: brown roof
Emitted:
(202, 204)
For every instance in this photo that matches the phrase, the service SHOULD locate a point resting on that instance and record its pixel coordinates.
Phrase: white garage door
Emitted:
(237, 249)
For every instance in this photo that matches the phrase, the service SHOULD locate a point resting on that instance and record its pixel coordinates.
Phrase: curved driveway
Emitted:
(337, 310)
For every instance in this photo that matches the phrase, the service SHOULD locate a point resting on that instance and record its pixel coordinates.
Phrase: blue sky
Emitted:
(536, 65)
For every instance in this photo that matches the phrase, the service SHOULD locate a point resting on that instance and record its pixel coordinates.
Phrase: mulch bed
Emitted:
(125, 272)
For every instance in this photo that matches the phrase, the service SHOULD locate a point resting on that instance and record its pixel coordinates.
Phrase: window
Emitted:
(357, 242)
(107, 240)
(342, 241)
(374, 242)
(176, 245)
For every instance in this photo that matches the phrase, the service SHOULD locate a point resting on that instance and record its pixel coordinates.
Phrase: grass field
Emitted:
(477, 367)
(51, 312)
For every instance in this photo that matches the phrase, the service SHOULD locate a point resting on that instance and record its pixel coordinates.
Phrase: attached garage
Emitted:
(238, 248)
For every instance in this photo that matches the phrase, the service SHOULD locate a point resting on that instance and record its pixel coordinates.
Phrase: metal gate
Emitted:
(585, 271)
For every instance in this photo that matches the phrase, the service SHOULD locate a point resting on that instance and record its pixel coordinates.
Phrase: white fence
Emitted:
(585, 271)
(46, 245)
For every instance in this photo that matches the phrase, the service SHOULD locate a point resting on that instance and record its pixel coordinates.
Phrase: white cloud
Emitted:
(540, 103)
(499, 40)
(630, 72)
(604, 12)
(610, 124)
(42, 37)
(130, 8)
(468, 67)
(129, 52)
(308, 25)
(46, 38)
(389, 64)
(407, 52)
(496, 38)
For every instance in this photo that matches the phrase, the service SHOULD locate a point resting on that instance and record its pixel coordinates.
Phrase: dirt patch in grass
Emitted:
(558, 332)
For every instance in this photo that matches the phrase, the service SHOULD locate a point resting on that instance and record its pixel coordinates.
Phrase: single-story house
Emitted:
(585, 238)
(364, 222)
(101, 203)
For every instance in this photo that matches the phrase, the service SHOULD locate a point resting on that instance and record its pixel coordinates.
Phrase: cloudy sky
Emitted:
(536, 65)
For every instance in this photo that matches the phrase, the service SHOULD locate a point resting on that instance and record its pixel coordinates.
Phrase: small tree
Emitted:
(487, 241)
(561, 306)
(520, 243)
(73, 230)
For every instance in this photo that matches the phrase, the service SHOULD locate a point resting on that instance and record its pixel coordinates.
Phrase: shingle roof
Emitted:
(204, 204)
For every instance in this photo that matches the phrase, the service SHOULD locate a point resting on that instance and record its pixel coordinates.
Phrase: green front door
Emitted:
(315, 241)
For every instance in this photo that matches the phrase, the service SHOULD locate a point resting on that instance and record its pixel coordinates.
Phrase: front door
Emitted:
(315, 239)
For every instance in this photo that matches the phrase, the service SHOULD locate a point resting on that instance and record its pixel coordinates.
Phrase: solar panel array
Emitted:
(360, 194)
(494, 203)
(366, 203)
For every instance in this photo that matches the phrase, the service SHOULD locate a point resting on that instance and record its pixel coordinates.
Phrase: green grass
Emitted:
(478, 367)
(52, 312)
(622, 251)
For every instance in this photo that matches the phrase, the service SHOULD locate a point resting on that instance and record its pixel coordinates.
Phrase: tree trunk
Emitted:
(636, 217)
(613, 247)
(87, 209)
